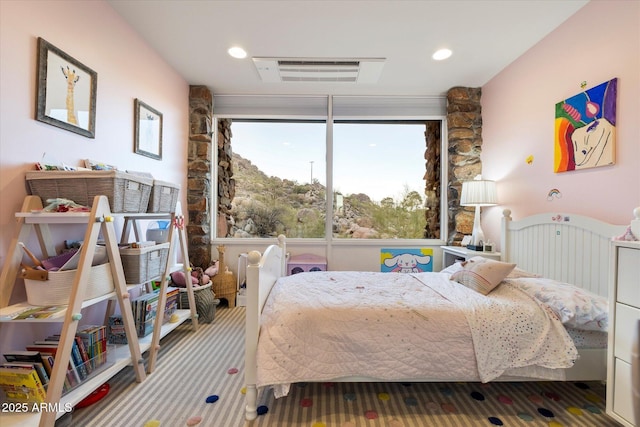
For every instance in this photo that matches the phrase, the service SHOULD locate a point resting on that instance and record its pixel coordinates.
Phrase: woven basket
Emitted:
(164, 196)
(57, 289)
(206, 302)
(224, 283)
(141, 265)
(125, 192)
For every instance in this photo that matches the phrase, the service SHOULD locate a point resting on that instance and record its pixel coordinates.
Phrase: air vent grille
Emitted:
(319, 70)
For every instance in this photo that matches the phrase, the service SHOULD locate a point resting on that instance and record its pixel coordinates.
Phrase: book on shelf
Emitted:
(32, 357)
(94, 338)
(144, 310)
(35, 312)
(73, 376)
(77, 357)
(78, 362)
(22, 384)
(117, 332)
(49, 361)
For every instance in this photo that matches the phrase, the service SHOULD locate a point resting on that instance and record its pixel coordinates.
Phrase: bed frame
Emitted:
(564, 247)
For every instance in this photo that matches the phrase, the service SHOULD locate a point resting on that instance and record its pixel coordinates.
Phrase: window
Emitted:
(284, 168)
(378, 179)
(279, 172)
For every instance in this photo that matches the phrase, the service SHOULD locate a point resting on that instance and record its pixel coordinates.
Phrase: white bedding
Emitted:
(322, 326)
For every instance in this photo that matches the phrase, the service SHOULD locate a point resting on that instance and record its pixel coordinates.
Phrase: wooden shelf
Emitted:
(98, 221)
(118, 359)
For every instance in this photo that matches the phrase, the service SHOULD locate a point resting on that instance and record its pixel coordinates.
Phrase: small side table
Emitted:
(451, 254)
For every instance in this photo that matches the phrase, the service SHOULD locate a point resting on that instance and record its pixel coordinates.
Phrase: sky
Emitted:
(378, 160)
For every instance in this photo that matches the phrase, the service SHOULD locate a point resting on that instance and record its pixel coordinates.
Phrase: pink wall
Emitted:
(600, 42)
(94, 34)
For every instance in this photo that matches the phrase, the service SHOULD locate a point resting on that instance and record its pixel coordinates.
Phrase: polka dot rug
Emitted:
(550, 404)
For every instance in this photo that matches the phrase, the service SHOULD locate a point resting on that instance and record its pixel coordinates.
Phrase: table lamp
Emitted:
(478, 192)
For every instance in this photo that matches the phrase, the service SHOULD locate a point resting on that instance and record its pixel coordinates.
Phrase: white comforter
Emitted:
(325, 326)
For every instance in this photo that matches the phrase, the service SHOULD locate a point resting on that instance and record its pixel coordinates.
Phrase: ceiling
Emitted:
(485, 36)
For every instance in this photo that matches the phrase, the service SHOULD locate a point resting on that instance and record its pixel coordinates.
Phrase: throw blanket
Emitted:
(508, 332)
(324, 326)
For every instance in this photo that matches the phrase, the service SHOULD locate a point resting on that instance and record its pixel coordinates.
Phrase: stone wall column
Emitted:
(199, 178)
(226, 182)
(432, 179)
(464, 125)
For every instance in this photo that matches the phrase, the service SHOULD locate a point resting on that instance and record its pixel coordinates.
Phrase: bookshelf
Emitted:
(99, 221)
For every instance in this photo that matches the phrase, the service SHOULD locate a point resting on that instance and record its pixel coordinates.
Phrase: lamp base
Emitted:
(475, 248)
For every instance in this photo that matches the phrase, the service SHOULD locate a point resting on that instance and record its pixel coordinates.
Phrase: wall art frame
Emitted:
(147, 130)
(585, 129)
(66, 92)
(406, 260)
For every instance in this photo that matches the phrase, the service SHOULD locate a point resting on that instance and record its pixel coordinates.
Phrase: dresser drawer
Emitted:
(626, 320)
(622, 394)
(628, 279)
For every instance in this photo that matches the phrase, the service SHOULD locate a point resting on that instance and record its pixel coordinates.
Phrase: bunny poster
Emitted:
(405, 260)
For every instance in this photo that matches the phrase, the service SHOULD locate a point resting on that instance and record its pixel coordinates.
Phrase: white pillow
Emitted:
(456, 266)
(576, 307)
(481, 274)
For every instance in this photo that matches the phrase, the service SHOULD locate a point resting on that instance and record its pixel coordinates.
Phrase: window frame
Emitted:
(287, 114)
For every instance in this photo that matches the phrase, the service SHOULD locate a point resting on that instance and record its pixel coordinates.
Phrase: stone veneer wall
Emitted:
(464, 125)
(199, 178)
(226, 182)
(432, 136)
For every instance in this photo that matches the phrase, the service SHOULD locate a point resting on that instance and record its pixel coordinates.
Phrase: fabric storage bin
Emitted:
(141, 265)
(56, 290)
(125, 192)
(206, 302)
(164, 196)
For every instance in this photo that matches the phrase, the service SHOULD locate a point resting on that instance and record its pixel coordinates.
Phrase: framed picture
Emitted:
(148, 130)
(585, 129)
(406, 260)
(66, 91)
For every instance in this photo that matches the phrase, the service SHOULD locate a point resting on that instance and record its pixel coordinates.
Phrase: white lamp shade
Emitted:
(479, 193)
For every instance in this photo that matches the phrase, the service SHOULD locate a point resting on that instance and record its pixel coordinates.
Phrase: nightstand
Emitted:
(451, 254)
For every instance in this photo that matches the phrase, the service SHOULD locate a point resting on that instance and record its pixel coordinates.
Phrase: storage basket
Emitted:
(206, 302)
(57, 289)
(125, 192)
(164, 196)
(141, 265)
(224, 285)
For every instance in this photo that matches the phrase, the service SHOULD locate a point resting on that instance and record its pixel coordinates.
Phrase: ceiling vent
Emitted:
(353, 70)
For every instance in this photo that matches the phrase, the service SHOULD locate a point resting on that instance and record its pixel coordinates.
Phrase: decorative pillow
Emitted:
(482, 274)
(576, 307)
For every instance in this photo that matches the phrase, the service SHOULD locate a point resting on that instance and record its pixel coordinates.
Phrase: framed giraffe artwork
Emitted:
(66, 91)
(147, 130)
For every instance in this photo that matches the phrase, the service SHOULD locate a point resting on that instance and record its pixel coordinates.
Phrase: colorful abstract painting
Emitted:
(585, 129)
(406, 260)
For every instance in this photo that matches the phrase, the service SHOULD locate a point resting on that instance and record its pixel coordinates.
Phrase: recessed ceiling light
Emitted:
(237, 52)
(441, 54)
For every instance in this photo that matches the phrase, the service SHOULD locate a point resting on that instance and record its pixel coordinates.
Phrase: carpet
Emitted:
(209, 364)
(439, 404)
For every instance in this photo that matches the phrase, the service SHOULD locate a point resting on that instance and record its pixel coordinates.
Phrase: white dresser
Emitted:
(624, 313)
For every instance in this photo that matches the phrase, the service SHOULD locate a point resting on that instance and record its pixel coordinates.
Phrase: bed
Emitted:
(351, 326)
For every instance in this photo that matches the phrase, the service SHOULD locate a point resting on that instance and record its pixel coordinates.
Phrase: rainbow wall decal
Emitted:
(554, 193)
(585, 129)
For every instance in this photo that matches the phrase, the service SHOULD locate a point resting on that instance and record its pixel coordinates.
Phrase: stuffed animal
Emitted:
(177, 277)
(212, 270)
